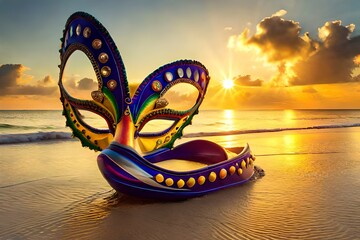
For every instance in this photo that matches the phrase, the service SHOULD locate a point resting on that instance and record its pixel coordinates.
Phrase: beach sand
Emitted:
(54, 190)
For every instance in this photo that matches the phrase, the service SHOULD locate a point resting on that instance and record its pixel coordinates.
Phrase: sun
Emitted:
(228, 83)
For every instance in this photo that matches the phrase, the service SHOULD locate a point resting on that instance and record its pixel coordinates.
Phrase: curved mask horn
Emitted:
(84, 33)
(148, 103)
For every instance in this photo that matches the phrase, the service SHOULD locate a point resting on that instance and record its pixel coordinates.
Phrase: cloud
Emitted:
(32, 90)
(309, 89)
(356, 78)
(333, 33)
(357, 59)
(87, 84)
(12, 78)
(9, 74)
(333, 63)
(279, 13)
(268, 97)
(300, 59)
(239, 42)
(279, 40)
(246, 81)
(46, 81)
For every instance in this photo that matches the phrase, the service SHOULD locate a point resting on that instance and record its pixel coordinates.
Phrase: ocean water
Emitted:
(34, 126)
(51, 188)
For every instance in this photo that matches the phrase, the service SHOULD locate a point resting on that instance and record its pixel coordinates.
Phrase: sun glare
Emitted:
(228, 83)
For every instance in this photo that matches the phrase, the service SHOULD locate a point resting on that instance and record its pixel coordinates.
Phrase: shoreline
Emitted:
(53, 136)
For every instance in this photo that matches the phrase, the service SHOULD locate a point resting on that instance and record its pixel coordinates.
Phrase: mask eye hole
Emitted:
(92, 119)
(182, 96)
(79, 78)
(156, 126)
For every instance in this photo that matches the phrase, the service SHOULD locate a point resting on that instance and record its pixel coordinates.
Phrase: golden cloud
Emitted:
(13, 81)
(247, 81)
(300, 59)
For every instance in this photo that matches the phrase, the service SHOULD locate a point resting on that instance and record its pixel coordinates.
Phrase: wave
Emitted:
(23, 127)
(11, 126)
(53, 136)
(33, 137)
(238, 132)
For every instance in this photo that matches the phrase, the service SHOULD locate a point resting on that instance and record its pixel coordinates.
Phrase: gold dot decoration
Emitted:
(97, 96)
(201, 180)
(251, 162)
(103, 57)
(212, 177)
(169, 182)
(161, 103)
(190, 182)
(243, 164)
(239, 171)
(105, 71)
(203, 77)
(203, 84)
(232, 170)
(71, 31)
(156, 86)
(223, 173)
(111, 84)
(168, 76)
(87, 32)
(196, 76)
(78, 30)
(167, 139)
(180, 183)
(188, 72)
(159, 178)
(180, 72)
(96, 43)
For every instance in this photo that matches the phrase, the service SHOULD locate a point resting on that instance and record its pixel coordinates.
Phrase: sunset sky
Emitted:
(279, 54)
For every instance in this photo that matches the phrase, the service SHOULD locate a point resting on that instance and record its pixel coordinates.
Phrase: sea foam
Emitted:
(33, 137)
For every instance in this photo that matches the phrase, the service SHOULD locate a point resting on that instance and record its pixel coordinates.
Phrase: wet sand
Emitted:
(311, 190)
